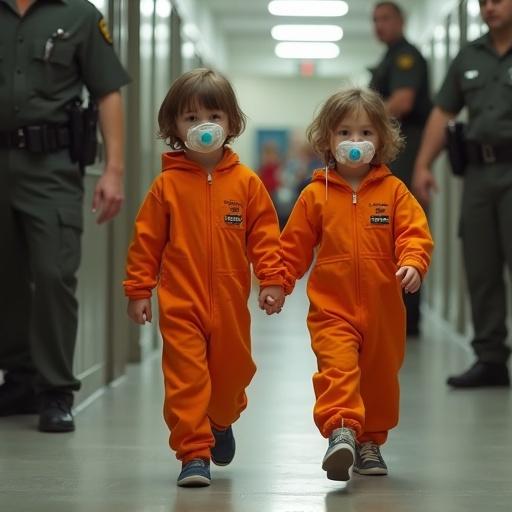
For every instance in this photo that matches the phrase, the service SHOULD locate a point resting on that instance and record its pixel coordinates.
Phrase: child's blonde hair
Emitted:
(345, 102)
(199, 87)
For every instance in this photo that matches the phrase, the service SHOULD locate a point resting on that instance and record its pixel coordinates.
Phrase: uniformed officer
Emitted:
(480, 78)
(48, 51)
(401, 78)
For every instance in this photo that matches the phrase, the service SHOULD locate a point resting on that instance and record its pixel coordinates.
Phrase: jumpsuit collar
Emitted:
(328, 176)
(178, 161)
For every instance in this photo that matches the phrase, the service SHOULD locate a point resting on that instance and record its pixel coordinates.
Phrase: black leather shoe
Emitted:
(55, 412)
(17, 398)
(482, 375)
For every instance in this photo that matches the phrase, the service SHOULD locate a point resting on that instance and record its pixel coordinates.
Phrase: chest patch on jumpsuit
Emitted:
(233, 212)
(379, 219)
(380, 216)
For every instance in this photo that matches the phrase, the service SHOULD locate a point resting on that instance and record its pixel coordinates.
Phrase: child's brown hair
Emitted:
(199, 87)
(344, 102)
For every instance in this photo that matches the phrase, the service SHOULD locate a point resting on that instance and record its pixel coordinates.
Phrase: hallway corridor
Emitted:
(452, 451)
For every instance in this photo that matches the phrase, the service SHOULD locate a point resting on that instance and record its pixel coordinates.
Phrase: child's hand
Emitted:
(139, 310)
(410, 279)
(271, 299)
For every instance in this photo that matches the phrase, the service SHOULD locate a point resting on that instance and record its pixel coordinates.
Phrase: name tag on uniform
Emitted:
(471, 74)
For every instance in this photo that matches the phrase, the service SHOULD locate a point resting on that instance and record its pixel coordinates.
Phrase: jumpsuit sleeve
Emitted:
(413, 242)
(263, 248)
(145, 251)
(298, 242)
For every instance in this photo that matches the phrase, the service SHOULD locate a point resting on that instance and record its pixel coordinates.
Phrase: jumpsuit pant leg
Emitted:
(382, 354)
(484, 258)
(207, 363)
(336, 384)
(187, 386)
(230, 363)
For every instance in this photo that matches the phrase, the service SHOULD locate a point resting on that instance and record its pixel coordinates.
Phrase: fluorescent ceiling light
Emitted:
(311, 8)
(307, 32)
(303, 50)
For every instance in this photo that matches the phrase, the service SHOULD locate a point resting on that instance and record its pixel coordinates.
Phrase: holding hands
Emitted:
(271, 299)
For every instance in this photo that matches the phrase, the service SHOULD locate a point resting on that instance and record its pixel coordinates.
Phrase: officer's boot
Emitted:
(55, 411)
(482, 375)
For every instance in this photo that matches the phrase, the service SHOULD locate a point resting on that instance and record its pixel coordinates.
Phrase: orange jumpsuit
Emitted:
(356, 317)
(196, 236)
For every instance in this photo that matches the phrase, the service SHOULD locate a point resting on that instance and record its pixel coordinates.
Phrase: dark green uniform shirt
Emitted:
(482, 80)
(404, 66)
(40, 76)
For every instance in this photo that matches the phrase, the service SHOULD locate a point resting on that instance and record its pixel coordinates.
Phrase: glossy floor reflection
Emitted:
(452, 451)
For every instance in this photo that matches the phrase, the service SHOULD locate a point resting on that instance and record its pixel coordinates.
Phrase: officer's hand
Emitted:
(271, 299)
(108, 196)
(410, 279)
(139, 310)
(423, 184)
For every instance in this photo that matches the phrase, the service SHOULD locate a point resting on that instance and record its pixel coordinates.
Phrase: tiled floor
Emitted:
(452, 451)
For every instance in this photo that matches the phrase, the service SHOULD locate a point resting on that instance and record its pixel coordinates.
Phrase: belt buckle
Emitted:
(21, 142)
(488, 154)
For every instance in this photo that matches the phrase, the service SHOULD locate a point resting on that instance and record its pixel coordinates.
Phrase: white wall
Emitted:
(424, 16)
(281, 102)
(210, 42)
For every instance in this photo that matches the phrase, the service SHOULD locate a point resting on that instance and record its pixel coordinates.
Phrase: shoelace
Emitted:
(369, 452)
(344, 436)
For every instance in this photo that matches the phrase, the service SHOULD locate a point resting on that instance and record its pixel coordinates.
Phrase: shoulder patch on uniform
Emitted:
(102, 25)
(405, 61)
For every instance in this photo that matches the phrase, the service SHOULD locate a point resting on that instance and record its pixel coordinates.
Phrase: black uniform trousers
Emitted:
(41, 225)
(486, 231)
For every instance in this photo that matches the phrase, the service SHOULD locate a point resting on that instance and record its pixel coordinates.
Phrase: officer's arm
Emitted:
(432, 143)
(401, 102)
(111, 125)
(434, 137)
(109, 192)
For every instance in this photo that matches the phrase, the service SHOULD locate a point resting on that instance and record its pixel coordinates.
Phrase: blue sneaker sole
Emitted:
(194, 481)
(371, 471)
(338, 463)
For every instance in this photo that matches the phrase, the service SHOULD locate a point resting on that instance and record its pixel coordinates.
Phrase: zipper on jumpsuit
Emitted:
(209, 216)
(356, 246)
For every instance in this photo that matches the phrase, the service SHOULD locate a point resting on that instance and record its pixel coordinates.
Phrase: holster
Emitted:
(456, 147)
(83, 124)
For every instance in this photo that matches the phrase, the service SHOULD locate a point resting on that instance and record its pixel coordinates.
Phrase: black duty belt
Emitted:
(488, 153)
(44, 138)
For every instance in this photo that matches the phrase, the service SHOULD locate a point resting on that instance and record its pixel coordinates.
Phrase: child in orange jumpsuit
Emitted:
(206, 218)
(370, 239)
